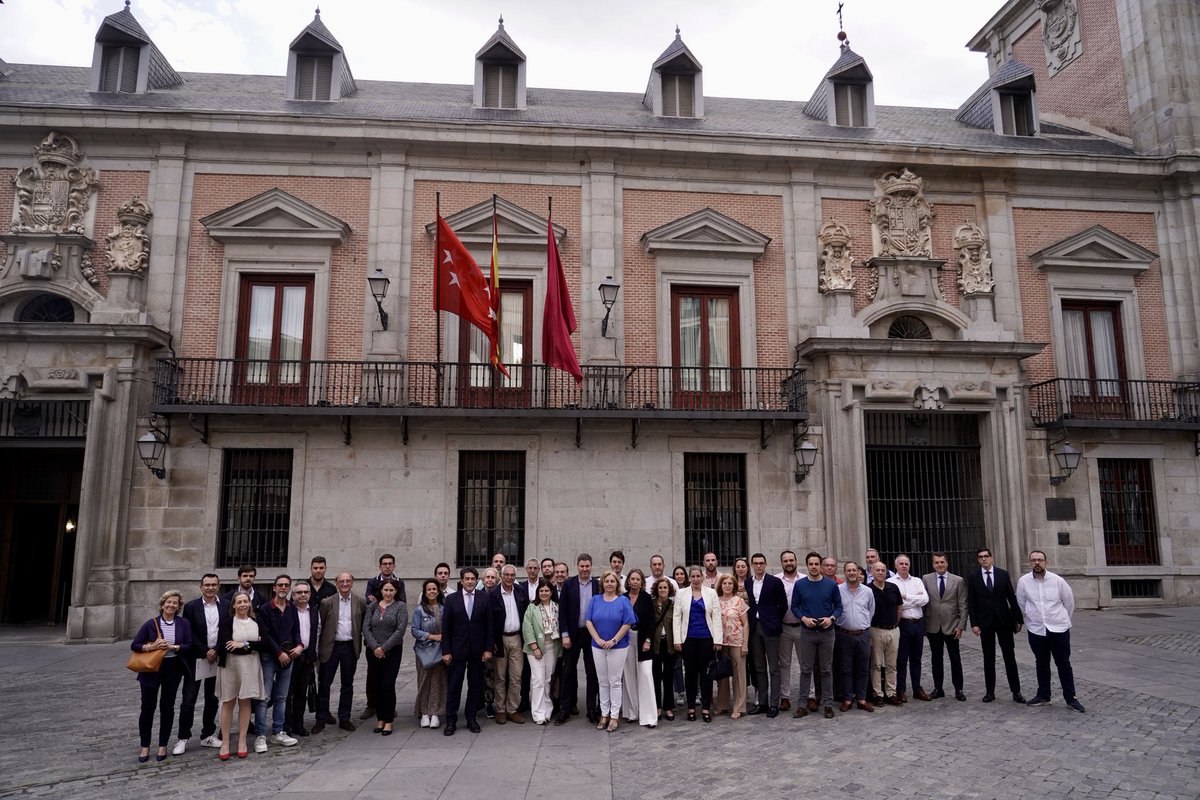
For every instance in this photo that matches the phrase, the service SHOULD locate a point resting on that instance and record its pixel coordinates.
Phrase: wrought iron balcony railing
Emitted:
(1083, 402)
(218, 385)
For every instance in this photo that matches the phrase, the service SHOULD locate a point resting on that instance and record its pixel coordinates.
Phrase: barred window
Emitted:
(1127, 509)
(714, 506)
(491, 506)
(256, 500)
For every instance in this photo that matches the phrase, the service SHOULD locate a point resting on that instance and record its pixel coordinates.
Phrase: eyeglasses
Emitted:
(283, 586)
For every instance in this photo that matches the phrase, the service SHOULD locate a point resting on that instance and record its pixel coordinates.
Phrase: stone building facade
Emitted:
(943, 302)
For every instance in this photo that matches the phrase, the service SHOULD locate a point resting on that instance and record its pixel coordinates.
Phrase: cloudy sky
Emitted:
(749, 48)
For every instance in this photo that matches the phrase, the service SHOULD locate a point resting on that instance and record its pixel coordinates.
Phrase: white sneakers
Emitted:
(180, 747)
(424, 720)
(283, 739)
(260, 744)
(209, 741)
(434, 722)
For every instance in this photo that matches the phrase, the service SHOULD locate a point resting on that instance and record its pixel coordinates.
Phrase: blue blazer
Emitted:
(148, 633)
(467, 638)
(770, 608)
(193, 612)
(568, 608)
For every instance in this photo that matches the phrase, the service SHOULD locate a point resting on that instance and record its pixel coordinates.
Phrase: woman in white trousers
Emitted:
(543, 646)
(638, 701)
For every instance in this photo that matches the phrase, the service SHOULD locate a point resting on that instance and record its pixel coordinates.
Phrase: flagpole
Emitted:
(437, 294)
(493, 281)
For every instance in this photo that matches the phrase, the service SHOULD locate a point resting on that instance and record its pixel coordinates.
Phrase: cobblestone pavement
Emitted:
(75, 715)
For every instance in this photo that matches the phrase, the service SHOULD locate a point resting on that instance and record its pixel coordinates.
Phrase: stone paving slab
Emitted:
(1137, 676)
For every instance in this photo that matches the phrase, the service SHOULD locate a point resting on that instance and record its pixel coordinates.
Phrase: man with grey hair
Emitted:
(507, 603)
(914, 598)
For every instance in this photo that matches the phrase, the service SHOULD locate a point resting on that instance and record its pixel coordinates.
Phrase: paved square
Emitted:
(71, 713)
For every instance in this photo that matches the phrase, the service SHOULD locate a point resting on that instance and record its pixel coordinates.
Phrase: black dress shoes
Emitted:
(756, 709)
(772, 712)
(318, 727)
(561, 719)
(936, 693)
(473, 726)
(958, 695)
(1018, 698)
(989, 697)
(450, 728)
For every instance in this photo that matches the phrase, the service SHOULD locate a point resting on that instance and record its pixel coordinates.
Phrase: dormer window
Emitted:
(314, 76)
(850, 105)
(119, 68)
(317, 66)
(676, 87)
(1006, 103)
(677, 94)
(500, 72)
(126, 61)
(846, 95)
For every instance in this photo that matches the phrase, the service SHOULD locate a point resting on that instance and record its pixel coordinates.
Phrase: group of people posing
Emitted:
(648, 642)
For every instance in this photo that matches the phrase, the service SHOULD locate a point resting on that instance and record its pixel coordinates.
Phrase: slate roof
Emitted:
(317, 30)
(817, 106)
(501, 37)
(5, 69)
(160, 74)
(32, 86)
(674, 49)
(977, 110)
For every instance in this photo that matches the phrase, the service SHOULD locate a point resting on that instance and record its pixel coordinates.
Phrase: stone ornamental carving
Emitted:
(54, 194)
(837, 274)
(86, 268)
(900, 216)
(928, 396)
(128, 243)
(1060, 33)
(974, 264)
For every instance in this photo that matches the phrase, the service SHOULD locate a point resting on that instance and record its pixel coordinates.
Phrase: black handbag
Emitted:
(720, 667)
(312, 691)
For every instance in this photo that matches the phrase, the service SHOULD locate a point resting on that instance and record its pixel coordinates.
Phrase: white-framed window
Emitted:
(1017, 114)
(850, 105)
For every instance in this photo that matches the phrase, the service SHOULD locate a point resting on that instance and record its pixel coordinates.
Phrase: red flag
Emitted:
(558, 321)
(462, 287)
(494, 284)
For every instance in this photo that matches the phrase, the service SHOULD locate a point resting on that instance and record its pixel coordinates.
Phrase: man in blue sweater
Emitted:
(817, 603)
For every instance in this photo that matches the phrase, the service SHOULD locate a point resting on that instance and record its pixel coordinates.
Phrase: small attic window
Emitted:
(500, 85)
(850, 105)
(678, 92)
(314, 77)
(1016, 114)
(119, 68)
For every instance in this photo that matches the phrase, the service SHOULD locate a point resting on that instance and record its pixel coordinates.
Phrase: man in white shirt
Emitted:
(658, 569)
(710, 570)
(616, 562)
(912, 628)
(789, 640)
(203, 615)
(508, 604)
(1047, 602)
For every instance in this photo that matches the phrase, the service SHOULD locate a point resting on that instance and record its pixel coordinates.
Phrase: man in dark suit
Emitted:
(467, 644)
(768, 604)
(573, 601)
(341, 644)
(995, 615)
(309, 618)
(203, 615)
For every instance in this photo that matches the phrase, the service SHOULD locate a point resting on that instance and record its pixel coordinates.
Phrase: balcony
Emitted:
(1087, 403)
(412, 388)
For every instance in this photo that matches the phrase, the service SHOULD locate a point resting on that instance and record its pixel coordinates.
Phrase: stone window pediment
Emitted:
(275, 216)
(706, 232)
(516, 228)
(1096, 249)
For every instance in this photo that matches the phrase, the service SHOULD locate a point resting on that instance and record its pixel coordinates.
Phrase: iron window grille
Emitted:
(256, 500)
(491, 506)
(714, 506)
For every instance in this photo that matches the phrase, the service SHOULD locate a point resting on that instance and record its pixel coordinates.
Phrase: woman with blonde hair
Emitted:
(239, 678)
(735, 628)
(609, 618)
(698, 635)
(170, 632)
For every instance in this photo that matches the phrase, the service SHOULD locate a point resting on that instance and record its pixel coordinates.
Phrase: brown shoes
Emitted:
(902, 697)
(800, 713)
(893, 701)
(828, 712)
(921, 694)
(812, 704)
(785, 704)
(846, 705)
(865, 705)
(501, 717)
(515, 718)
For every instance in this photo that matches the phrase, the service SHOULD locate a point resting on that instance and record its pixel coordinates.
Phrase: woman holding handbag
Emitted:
(734, 625)
(698, 635)
(431, 672)
(543, 646)
(239, 670)
(383, 634)
(169, 635)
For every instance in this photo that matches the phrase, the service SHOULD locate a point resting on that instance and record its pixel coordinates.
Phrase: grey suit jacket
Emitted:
(329, 621)
(944, 614)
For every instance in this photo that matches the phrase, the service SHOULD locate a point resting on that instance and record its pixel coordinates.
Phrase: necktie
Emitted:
(989, 579)
(470, 600)
(941, 586)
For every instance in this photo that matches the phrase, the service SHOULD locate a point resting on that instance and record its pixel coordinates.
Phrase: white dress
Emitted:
(241, 678)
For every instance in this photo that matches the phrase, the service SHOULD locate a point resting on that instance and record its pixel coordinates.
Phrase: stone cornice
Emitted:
(84, 333)
(815, 348)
